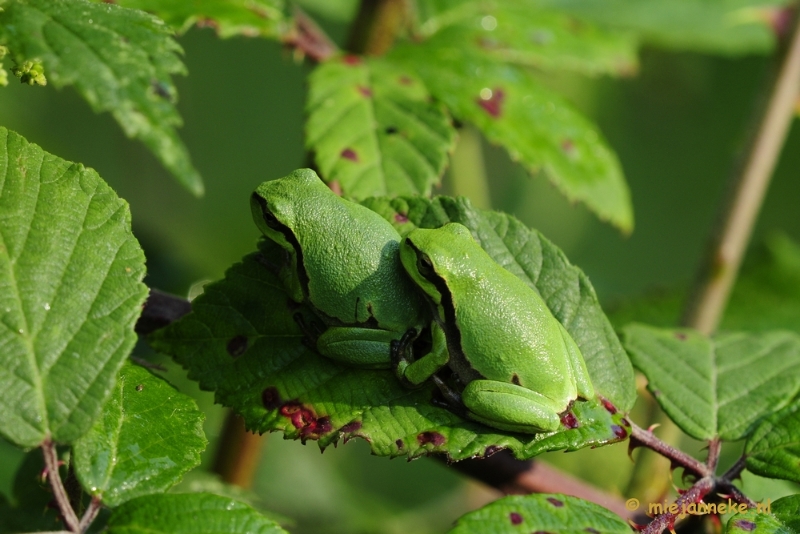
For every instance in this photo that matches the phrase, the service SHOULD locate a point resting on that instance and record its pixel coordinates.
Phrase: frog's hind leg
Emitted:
(578, 366)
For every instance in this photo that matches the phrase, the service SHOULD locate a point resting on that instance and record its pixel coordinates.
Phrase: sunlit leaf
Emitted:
(374, 130)
(774, 448)
(70, 293)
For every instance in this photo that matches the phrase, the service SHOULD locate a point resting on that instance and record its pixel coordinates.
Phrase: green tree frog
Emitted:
(519, 367)
(343, 260)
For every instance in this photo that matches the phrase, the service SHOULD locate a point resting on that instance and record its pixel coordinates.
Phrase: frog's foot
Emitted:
(452, 399)
(401, 355)
(311, 331)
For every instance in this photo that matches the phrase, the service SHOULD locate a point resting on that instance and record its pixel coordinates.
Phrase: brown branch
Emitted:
(734, 471)
(726, 488)
(676, 456)
(90, 514)
(60, 494)
(748, 188)
(695, 494)
(714, 447)
(308, 39)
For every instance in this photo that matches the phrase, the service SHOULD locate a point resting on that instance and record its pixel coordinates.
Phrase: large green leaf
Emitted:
(720, 386)
(519, 32)
(188, 513)
(148, 435)
(242, 342)
(774, 448)
(719, 26)
(119, 60)
(374, 130)
(541, 513)
(779, 517)
(70, 293)
(252, 18)
(535, 125)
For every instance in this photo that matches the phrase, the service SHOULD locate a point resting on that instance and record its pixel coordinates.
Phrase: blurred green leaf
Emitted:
(536, 126)
(251, 18)
(31, 510)
(766, 295)
(188, 513)
(242, 342)
(732, 27)
(780, 517)
(374, 130)
(148, 435)
(70, 272)
(720, 386)
(774, 448)
(541, 513)
(546, 39)
(119, 60)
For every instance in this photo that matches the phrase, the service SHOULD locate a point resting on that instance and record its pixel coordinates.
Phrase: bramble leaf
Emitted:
(374, 130)
(70, 293)
(779, 517)
(720, 386)
(251, 18)
(541, 513)
(774, 448)
(242, 341)
(148, 435)
(535, 125)
(188, 513)
(530, 35)
(119, 60)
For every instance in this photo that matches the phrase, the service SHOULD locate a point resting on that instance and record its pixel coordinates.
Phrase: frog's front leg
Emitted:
(511, 407)
(414, 373)
(366, 348)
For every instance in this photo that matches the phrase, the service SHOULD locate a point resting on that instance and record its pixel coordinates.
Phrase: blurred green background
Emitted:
(678, 126)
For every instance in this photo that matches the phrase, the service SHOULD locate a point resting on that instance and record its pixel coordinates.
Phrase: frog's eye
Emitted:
(425, 265)
(271, 220)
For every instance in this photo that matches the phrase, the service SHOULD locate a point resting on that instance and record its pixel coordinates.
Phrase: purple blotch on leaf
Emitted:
(610, 408)
(430, 437)
(555, 502)
(492, 449)
(349, 153)
(493, 104)
(350, 59)
(399, 443)
(569, 420)
(591, 530)
(365, 91)
(351, 427)
(305, 420)
(271, 398)
(236, 346)
(401, 217)
(619, 431)
(680, 335)
(515, 518)
(745, 524)
(405, 80)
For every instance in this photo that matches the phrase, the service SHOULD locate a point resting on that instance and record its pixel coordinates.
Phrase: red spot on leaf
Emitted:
(591, 530)
(351, 59)
(365, 91)
(271, 398)
(405, 80)
(493, 104)
(619, 431)
(399, 443)
(569, 420)
(351, 427)
(744, 524)
(610, 408)
(491, 450)
(349, 153)
(515, 518)
(236, 346)
(305, 420)
(680, 335)
(431, 437)
(568, 147)
(401, 217)
(555, 502)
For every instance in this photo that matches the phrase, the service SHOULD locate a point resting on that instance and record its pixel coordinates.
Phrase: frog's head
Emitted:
(432, 257)
(276, 206)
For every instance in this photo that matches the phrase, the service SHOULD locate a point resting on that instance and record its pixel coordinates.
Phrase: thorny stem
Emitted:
(748, 188)
(90, 514)
(726, 488)
(714, 447)
(735, 470)
(60, 494)
(649, 440)
(694, 494)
